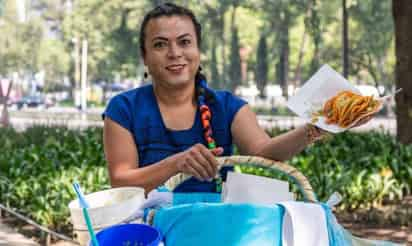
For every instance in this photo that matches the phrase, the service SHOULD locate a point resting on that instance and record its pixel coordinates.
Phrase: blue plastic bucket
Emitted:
(129, 235)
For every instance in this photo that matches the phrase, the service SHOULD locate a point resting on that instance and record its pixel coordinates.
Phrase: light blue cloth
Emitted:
(336, 233)
(200, 219)
(218, 224)
(194, 197)
(338, 236)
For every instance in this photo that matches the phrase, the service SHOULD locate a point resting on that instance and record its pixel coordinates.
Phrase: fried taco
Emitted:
(346, 108)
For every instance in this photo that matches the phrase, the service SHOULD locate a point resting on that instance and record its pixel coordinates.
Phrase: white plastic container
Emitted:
(107, 208)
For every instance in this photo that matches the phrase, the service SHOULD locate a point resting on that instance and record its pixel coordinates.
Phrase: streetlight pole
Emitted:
(76, 57)
(84, 76)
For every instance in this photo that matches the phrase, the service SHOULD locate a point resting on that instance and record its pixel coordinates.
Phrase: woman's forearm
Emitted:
(285, 146)
(148, 177)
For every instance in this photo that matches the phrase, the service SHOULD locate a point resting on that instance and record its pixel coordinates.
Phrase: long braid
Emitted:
(205, 112)
(204, 96)
(206, 116)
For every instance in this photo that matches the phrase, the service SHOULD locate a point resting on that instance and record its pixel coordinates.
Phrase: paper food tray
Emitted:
(323, 85)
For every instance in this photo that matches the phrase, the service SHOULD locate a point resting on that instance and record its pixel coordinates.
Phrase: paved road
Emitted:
(380, 124)
(10, 237)
(78, 120)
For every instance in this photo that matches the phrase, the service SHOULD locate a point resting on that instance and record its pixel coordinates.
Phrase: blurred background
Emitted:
(261, 50)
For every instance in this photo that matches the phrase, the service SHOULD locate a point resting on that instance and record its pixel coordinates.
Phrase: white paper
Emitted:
(304, 224)
(246, 188)
(323, 85)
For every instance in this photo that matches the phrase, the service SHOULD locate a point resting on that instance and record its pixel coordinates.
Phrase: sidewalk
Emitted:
(10, 237)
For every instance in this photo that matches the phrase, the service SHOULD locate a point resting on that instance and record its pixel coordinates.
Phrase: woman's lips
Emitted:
(175, 68)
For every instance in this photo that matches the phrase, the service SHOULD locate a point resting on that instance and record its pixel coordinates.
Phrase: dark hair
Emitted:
(171, 9)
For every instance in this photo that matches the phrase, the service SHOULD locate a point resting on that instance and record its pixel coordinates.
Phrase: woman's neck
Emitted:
(174, 96)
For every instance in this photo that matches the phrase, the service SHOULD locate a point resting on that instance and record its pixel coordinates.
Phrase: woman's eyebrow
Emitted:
(166, 39)
(184, 35)
(161, 38)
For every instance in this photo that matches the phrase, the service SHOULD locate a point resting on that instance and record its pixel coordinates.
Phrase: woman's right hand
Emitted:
(199, 162)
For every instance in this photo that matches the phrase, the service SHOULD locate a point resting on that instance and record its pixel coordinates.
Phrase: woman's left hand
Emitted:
(314, 133)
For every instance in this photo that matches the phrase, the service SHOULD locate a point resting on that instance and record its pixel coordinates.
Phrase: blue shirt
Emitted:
(137, 111)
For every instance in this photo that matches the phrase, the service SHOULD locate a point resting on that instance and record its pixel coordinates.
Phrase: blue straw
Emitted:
(84, 205)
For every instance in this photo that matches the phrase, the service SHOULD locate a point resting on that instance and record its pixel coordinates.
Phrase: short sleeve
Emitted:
(234, 103)
(119, 111)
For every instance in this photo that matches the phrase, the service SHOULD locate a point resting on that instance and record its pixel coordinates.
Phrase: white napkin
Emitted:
(246, 188)
(304, 224)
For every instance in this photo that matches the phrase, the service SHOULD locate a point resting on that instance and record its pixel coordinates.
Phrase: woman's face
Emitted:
(172, 53)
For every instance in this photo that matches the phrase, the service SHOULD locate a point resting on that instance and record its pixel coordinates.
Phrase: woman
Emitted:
(156, 131)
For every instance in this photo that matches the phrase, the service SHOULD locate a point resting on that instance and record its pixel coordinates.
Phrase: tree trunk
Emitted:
(224, 73)
(262, 65)
(402, 13)
(215, 80)
(235, 67)
(5, 119)
(284, 56)
(311, 13)
(316, 35)
(345, 40)
(298, 70)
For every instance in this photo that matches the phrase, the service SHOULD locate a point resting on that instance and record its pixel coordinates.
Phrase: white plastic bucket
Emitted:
(107, 208)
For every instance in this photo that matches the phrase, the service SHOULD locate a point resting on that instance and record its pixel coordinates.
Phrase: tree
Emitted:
(284, 52)
(402, 13)
(213, 67)
(314, 23)
(158, 2)
(1, 7)
(213, 13)
(235, 69)
(5, 120)
(126, 55)
(19, 43)
(282, 16)
(262, 65)
(219, 28)
(52, 12)
(111, 28)
(371, 40)
(54, 61)
(210, 19)
(345, 40)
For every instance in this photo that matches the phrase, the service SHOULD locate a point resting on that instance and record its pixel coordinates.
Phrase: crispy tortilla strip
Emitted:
(346, 111)
(347, 107)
